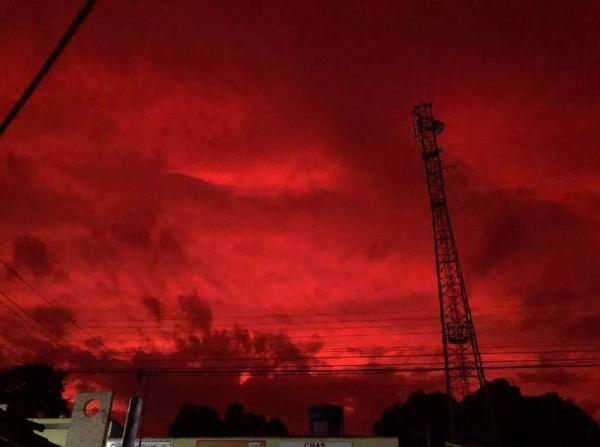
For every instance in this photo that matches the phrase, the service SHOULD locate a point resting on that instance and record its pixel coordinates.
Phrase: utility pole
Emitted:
(134, 414)
(462, 359)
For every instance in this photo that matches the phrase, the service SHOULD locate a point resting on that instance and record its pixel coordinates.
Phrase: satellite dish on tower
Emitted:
(438, 127)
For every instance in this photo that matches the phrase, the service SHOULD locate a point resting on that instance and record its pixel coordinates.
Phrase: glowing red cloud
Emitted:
(259, 156)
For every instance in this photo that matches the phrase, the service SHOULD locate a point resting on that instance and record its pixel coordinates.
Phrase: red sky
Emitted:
(253, 163)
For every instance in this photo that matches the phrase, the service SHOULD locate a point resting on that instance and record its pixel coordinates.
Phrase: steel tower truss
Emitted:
(462, 360)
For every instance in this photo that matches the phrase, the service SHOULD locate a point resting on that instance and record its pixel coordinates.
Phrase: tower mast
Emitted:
(462, 360)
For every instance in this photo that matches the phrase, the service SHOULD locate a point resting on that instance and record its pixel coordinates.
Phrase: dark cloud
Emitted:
(30, 253)
(169, 248)
(133, 229)
(57, 318)
(585, 327)
(261, 154)
(154, 306)
(260, 350)
(516, 225)
(540, 251)
(196, 309)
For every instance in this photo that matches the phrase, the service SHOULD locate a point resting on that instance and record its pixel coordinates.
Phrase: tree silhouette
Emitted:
(545, 420)
(194, 420)
(422, 416)
(33, 390)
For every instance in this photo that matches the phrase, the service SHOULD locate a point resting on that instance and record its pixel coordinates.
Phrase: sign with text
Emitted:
(315, 443)
(228, 443)
(145, 443)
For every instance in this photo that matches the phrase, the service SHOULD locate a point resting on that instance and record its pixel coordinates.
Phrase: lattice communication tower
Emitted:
(462, 360)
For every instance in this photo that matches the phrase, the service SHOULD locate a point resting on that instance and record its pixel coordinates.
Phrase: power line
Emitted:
(341, 324)
(45, 68)
(180, 321)
(50, 333)
(491, 350)
(250, 369)
(386, 353)
(23, 319)
(21, 278)
(31, 316)
(431, 382)
(170, 357)
(191, 357)
(305, 371)
(49, 302)
(352, 369)
(335, 314)
(293, 337)
(255, 330)
(174, 334)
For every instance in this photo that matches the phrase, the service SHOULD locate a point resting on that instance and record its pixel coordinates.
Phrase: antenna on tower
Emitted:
(462, 359)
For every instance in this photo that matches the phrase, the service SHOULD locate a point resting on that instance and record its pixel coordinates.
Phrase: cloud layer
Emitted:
(188, 165)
